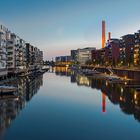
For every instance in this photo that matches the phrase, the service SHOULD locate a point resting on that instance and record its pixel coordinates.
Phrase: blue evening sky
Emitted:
(57, 26)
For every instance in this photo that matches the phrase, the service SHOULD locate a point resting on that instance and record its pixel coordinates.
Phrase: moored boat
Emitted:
(7, 89)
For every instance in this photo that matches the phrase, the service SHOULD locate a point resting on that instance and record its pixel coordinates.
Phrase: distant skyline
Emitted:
(57, 26)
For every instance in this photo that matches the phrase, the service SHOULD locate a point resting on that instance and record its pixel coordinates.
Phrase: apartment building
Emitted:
(137, 49)
(17, 56)
(85, 54)
(3, 53)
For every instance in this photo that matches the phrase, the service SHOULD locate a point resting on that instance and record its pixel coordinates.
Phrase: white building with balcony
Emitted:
(83, 55)
(3, 53)
(16, 54)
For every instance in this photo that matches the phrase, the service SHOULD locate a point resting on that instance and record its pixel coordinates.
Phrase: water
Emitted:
(67, 106)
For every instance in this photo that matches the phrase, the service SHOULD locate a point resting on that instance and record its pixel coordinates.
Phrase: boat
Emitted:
(7, 89)
(90, 72)
(114, 79)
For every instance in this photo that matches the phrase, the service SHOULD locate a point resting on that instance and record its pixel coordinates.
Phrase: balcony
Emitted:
(3, 58)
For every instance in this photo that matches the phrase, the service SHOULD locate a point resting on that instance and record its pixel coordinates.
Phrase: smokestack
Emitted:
(103, 34)
(109, 35)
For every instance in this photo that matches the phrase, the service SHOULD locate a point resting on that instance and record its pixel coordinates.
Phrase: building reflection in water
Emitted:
(127, 99)
(10, 107)
(62, 71)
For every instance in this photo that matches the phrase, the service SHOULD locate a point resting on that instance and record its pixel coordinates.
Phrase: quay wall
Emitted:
(128, 73)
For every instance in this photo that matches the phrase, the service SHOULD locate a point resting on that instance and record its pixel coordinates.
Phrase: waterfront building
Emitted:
(3, 53)
(29, 56)
(85, 54)
(11, 53)
(74, 55)
(63, 60)
(122, 57)
(22, 54)
(112, 53)
(16, 54)
(128, 43)
(39, 59)
(96, 56)
(137, 49)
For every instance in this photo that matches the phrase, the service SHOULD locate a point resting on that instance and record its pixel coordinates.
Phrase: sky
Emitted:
(57, 26)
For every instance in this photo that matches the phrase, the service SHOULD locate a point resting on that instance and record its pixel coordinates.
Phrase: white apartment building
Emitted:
(16, 54)
(22, 54)
(85, 54)
(11, 52)
(3, 53)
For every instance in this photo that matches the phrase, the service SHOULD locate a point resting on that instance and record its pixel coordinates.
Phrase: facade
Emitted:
(34, 57)
(17, 56)
(74, 55)
(84, 55)
(137, 49)
(63, 60)
(119, 52)
(112, 53)
(3, 53)
(11, 53)
(22, 54)
(96, 56)
(129, 43)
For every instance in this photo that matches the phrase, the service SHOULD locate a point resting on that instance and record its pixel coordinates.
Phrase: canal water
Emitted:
(64, 105)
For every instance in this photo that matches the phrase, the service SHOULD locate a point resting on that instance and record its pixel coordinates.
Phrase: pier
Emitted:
(126, 73)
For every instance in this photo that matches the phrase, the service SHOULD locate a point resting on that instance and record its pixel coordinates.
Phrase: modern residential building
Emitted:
(63, 59)
(85, 54)
(74, 55)
(17, 56)
(96, 56)
(29, 56)
(128, 42)
(3, 53)
(22, 55)
(34, 57)
(39, 57)
(137, 49)
(11, 53)
(112, 52)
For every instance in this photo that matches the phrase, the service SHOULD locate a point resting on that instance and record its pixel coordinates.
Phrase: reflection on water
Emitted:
(127, 99)
(70, 106)
(10, 108)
